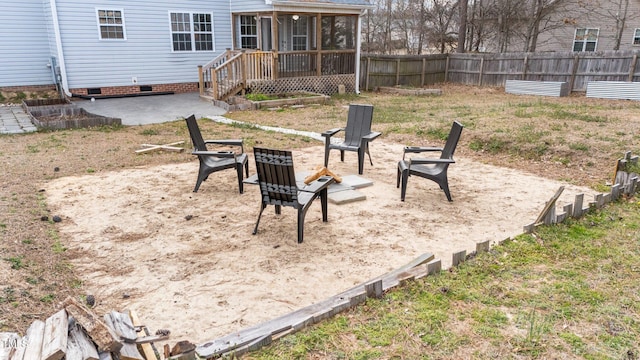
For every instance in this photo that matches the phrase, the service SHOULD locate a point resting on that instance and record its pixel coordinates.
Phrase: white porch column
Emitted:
(358, 44)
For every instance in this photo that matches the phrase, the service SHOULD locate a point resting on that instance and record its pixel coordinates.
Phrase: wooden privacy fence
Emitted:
(577, 69)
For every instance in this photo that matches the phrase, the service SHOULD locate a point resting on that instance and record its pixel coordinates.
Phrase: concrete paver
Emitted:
(14, 120)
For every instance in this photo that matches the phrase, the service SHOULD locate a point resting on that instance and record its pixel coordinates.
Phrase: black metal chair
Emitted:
(212, 161)
(434, 169)
(277, 181)
(357, 135)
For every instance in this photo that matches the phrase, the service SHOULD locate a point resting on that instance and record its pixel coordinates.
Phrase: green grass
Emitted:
(16, 262)
(567, 291)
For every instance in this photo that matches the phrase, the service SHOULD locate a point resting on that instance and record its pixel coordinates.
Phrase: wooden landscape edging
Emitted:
(625, 183)
(257, 336)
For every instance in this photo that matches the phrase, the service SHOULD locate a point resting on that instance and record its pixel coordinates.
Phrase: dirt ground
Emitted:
(133, 233)
(210, 271)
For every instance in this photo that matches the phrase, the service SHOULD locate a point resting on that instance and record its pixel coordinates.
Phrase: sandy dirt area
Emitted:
(188, 262)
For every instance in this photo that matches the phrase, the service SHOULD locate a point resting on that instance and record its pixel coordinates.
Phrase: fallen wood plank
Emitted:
(145, 340)
(121, 324)
(104, 355)
(35, 334)
(105, 338)
(169, 147)
(56, 332)
(79, 346)
(147, 349)
(549, 205)
(9, 342)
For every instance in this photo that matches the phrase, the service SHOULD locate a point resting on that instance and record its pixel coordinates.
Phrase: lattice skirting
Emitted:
(327, 85)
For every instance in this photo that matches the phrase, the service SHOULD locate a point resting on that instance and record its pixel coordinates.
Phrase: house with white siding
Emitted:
(218, 47)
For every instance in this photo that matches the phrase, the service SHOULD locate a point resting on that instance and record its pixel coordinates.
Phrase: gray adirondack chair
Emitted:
(212, 161)
(277, 181)
(434, 169)
(357, 135)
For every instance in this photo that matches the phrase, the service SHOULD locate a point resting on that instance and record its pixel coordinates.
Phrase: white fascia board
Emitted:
(319, 6)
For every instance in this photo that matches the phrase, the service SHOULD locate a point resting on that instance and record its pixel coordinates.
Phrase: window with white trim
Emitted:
(111, 24)
(299, 33)
(191, 31)
(586, 39)
(248, 32)
(636, 37)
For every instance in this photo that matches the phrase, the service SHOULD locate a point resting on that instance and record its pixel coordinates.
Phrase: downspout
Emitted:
(358, 44)
(56, 30)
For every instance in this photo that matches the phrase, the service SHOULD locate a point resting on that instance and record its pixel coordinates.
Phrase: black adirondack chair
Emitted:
(212, 161)
(357, 135)
(277, 181)
(434, 169)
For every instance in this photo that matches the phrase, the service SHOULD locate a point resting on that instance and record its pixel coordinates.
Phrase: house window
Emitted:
(338, 32)
(248, 32)
(636, 37)
(191, 31)
(110, 24)
(299, 33)
(585, 40)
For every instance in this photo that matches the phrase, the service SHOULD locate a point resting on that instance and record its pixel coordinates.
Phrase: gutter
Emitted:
(320, 4)
(56, 30)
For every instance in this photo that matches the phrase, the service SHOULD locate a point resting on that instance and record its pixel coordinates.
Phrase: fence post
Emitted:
(424, 65)
(446, 69)
(398, 71)
(525, 65)
(574, 70)
(632, 67)
(366, 86)
(481, 70)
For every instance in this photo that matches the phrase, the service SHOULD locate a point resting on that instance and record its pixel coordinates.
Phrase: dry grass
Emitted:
(575, 139)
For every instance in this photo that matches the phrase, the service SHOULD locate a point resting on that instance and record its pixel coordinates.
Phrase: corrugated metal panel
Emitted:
(543, 88)
(24, 45)
(613, 90)
(146, 53)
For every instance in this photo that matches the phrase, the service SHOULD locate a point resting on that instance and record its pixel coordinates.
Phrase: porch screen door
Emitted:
(265, 34)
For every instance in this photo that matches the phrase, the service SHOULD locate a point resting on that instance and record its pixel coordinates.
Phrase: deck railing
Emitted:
(232, 71)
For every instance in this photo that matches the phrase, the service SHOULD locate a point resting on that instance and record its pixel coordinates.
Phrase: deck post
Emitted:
(274, 34)
(200, 80)
(214, 83)
(244, 69)
(319, 44)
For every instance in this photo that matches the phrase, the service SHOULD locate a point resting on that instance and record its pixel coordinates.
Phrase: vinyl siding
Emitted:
(249, 6)
(24, 44)
(572, 15)
(147, 51)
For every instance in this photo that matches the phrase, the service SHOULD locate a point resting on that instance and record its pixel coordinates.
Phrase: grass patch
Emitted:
(150, 132)
(565, 291)
(16, 262)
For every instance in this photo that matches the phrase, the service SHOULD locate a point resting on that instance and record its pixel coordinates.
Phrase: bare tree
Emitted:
(463, 5)
(621, 19)
(441, 19)
(537, 21)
